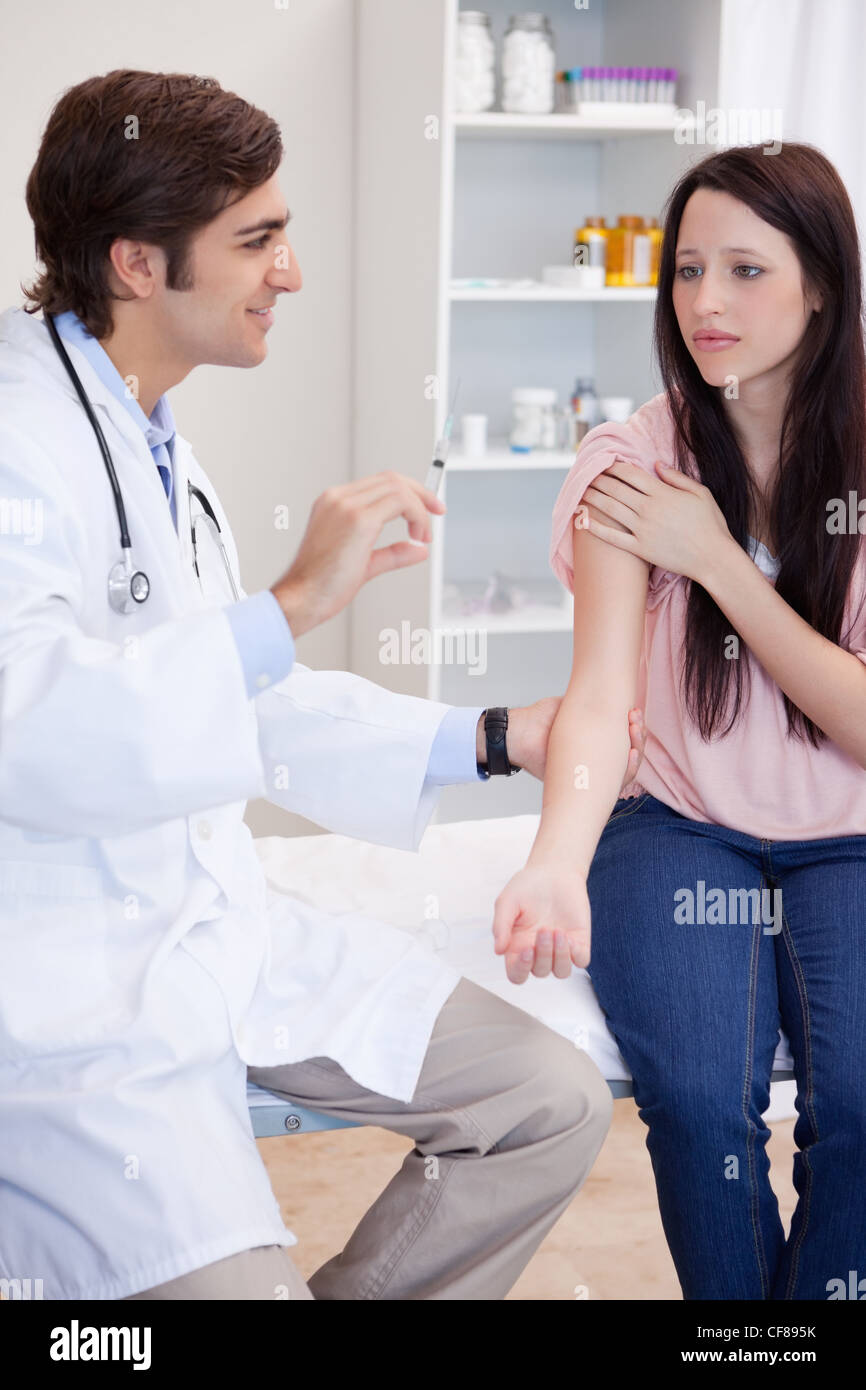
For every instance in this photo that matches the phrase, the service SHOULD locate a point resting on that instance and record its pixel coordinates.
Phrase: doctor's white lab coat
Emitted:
(143, 961)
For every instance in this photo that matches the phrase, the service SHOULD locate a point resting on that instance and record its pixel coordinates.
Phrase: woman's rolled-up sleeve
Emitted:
(601, 447)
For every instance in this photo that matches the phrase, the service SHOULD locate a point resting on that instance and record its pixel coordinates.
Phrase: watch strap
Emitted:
(495, 732)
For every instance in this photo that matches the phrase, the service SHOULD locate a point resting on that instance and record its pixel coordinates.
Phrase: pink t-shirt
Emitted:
(756, 779)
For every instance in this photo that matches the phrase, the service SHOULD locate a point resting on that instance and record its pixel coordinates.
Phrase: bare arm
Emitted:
(542, 916)
(589, 741)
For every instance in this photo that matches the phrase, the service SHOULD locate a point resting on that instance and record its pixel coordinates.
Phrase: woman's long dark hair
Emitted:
(822, 450)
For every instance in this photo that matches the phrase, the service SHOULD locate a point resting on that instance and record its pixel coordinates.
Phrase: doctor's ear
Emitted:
(135, 265)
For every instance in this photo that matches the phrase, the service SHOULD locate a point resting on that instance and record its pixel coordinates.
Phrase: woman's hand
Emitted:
(672, 521)
(542, 922)
(529, 733)
(637, 741)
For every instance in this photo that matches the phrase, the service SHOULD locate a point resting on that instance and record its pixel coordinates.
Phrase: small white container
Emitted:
(534, 424)
(574, 277)
(568, 277)
(616, 408)
(474, 431)
(650, 113)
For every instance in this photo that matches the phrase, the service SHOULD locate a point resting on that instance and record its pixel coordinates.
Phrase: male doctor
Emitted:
(146, 969)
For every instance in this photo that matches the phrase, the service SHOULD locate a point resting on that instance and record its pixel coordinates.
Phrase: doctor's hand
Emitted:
(336, 555)
(529, 731)
(542, 922)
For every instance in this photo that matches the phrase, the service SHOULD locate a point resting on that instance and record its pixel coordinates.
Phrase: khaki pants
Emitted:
(507, 1119)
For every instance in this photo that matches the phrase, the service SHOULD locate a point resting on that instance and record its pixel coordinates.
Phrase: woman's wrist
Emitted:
(556, 858)
(717, 564)
(580, 792)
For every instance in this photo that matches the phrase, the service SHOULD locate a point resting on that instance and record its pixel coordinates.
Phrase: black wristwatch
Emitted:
(495, 726)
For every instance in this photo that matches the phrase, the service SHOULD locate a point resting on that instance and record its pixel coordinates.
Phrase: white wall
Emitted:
(281, 433)
(805, 61)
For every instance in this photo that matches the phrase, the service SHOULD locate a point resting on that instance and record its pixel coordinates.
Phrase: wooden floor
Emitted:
(609, 1241)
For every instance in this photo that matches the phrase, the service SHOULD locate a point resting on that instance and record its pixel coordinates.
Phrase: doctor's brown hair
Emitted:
(152, 156)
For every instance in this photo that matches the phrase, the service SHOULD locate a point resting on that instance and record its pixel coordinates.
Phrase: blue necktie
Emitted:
(162, 459)
(164, 473)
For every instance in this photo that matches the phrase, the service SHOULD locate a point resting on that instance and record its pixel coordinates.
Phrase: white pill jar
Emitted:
(528, 65)
(475, 76)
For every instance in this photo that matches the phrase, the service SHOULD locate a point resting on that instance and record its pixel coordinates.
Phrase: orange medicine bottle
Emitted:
(590, 242)
(655, 235)
(628, 253)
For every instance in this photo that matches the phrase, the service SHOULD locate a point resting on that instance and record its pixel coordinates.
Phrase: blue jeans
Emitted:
(695, 994)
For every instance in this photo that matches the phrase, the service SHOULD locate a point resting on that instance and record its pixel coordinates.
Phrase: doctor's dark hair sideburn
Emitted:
(822, 450)
(147, 155)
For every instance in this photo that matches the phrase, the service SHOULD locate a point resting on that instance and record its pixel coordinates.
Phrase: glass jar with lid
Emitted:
(528, 65)
(475, 70)
(534, 423)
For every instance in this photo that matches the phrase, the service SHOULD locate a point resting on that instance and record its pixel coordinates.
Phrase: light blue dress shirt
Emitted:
(262, 635)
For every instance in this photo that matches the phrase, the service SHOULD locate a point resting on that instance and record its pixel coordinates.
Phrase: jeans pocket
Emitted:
(628, 805)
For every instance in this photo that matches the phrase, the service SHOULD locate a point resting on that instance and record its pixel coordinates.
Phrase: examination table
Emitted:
(444, 896)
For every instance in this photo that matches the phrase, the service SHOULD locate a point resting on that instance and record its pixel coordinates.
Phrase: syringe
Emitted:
(440, 453)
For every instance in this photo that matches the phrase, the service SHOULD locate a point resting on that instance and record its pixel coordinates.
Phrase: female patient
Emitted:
(712, 544)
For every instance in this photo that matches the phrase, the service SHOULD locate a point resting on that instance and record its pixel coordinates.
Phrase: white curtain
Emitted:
(806, 59)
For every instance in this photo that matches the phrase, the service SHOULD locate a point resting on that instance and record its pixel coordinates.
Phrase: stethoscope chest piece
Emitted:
(127, 588)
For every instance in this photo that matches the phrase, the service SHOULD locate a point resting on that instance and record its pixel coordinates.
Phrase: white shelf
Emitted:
(532, 618)
(562, 126)
(500, 457)
(540, 293)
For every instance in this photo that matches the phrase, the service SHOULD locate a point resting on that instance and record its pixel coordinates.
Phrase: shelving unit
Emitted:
(499, 456)
(551, 294)
(496, 195)
(506, 124)
(529, 619)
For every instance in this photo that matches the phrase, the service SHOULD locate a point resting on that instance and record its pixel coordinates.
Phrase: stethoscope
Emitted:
(129, 587)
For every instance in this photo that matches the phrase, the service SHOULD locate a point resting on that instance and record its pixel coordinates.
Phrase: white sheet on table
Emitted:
(444, 894)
